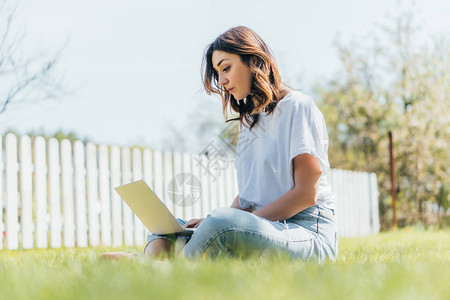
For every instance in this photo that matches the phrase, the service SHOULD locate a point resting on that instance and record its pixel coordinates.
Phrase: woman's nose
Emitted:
(222, 80)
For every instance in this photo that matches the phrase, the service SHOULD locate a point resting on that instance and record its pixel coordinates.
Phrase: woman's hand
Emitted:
(193, 223)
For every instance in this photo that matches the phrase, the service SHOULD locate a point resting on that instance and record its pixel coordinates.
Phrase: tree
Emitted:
(28, 78)
(392, 84)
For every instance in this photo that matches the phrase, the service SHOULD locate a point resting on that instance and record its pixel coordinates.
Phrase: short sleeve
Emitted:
(308, 133)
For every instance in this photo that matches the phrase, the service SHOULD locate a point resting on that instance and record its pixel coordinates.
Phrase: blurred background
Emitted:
(129, 74)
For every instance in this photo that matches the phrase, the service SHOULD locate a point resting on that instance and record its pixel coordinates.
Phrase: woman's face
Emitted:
(233, 74)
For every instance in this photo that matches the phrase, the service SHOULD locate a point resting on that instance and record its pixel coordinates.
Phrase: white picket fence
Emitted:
(61, 194)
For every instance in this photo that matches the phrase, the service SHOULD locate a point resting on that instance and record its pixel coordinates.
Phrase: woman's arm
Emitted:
(235, 204)
(303, 195)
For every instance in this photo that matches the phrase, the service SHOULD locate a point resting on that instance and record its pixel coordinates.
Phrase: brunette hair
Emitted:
(265, 88)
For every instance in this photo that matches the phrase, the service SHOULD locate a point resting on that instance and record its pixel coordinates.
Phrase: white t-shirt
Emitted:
(264, 155)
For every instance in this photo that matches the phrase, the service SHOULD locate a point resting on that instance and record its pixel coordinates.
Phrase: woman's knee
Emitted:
(222, 218)
(217, 232)
(156, 246)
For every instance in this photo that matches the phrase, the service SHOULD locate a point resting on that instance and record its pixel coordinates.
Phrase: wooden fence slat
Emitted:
(213, 183)
(190, 193)
(12, 211)
(358, 207)
(176, 190)
(228, 186)
(40, 187)
(105, 195)
(221, 181)
(221, 169)
(348, 180)
(147, 162)
(342, 200)
(365, 203)
(357, 204)
(158, 175)
(168, 174)
(67, 193)
(80, 194)
(139, 234)
(196, 171)
(26, 192)
(340, 204)
(354, 199)
(148, 173)
(116, 201)
(54, 193)
(334, 183)
(332, 179)
(375, 219)
(92, 194)
(128, 227)
(202, 164)
(346, 196)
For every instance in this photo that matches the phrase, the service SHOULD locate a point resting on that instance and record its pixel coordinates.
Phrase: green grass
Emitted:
(405, 264)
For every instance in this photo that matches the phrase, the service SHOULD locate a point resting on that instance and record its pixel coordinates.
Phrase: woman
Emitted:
(285, 203)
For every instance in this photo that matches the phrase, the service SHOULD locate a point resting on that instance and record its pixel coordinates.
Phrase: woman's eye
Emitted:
(226, 69)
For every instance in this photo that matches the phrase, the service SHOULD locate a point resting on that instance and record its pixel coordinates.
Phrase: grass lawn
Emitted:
(403, 264)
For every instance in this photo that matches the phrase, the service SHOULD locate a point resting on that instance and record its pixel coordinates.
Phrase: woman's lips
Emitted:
(230, 90)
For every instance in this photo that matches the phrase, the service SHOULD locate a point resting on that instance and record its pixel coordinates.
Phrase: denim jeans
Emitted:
(310, 234)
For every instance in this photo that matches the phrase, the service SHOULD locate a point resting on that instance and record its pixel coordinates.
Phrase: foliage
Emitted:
(395, 84)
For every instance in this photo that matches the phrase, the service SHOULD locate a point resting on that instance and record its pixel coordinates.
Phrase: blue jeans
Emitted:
(310, 234)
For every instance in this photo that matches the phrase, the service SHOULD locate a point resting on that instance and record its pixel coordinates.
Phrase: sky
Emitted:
(133, 68)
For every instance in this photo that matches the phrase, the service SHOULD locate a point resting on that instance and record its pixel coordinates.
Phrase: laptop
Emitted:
(152, 212)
